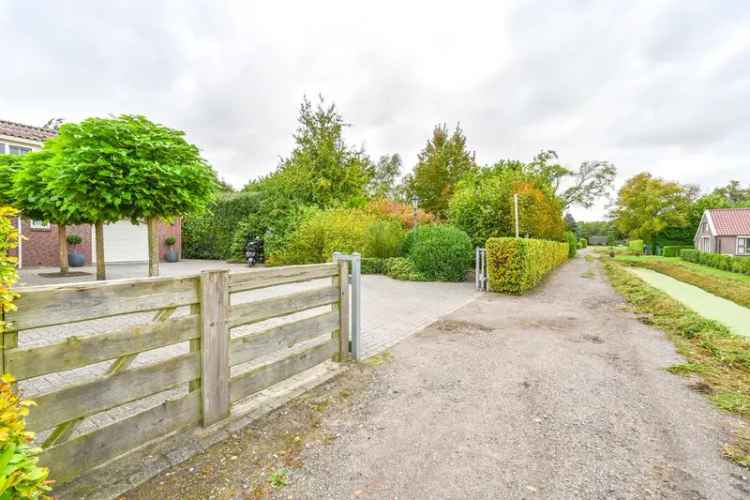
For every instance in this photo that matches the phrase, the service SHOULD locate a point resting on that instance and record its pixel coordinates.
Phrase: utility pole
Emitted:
(515, 206)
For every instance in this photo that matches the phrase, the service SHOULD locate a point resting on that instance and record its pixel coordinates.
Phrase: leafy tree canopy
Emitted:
(9, 166)
(441, 164)
(385, 173)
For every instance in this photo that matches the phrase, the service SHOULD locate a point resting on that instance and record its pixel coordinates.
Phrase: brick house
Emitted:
(725, 231)
(38, 243)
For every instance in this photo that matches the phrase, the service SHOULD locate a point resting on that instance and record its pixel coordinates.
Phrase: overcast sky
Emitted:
(660, 86)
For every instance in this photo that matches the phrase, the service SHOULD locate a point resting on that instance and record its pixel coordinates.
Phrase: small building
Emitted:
(38, 242)
(724, 231)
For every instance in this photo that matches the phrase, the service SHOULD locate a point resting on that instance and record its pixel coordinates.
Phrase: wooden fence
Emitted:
(204, 367)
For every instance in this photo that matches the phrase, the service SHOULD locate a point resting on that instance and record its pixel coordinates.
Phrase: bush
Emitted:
(570, 237)
(74, 239)
(211, 234)
(404, 213)
(372, 265)
(170, 241)
(636, 247)
(401, 268)
(673, 250)
(383, 239)
(440, 252)
(739, 265)
(583, 243)
(515, 265)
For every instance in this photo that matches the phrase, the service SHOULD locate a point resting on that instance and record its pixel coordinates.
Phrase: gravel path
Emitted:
(733, 316)
(558, 394)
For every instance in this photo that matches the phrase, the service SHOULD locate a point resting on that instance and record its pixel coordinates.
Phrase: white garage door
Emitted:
(124, 242)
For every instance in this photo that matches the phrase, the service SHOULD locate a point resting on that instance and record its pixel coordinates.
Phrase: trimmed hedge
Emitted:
(739, 265)
(515, 265)
(440, 252)
(570, 237)
(636, 247)
(673, 250)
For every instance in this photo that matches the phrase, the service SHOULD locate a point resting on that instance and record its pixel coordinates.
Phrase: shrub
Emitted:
(515, 265)
(636, 247)
(440, 252)
(691, 254)
(404, 213)
(211, 234)
(383, 239)
(673, 250)
(8, 273)
(372, 265)
(570, 237)
(170, 241)
(401, 268)
(583, 243)
(74, 239)
(724, 262)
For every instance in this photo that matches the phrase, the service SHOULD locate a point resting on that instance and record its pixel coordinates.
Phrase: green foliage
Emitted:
(9, 166)
(582, 243)
(440, 252)
(384, 239)
(74, 239)
(20, 476)
(401, 268)
(673, 251)
(372, 265)
(442, 162)
(108, 169)
(276, 228)
(385, 173)
(210, 235)
(170, 241)
(636, 247)
(570, 237)
(724, 262)
(515, 265)
(483, 205)
(8, 272)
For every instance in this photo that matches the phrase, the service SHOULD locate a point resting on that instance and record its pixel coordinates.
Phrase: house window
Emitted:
(743, 245)
(2, 148)
(706, 244)
(18, 150)
(39, 224)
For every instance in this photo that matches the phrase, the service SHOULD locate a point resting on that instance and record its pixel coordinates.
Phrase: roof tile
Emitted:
(25, 131)
(731, 221)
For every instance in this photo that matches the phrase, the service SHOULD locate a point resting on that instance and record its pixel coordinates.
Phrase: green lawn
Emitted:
(676, 261)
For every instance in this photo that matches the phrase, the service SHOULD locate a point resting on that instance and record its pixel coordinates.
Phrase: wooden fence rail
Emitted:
(211, 307)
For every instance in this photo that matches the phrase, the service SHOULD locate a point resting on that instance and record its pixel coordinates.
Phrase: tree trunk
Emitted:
(101, 273)
(153, 247)
(62, 234)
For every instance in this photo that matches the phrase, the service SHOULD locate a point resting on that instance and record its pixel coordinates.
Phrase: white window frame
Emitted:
(40, 225)
(25, 149)
(2, 148)
(706, 244)
(737, 248)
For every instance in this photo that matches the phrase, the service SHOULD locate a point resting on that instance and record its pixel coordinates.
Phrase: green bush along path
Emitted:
(731, 315)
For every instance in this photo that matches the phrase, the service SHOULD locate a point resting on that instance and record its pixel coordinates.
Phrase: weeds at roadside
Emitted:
(379, 359)
(721, 359)
(588, 257)
(279, 478)
(590, 274)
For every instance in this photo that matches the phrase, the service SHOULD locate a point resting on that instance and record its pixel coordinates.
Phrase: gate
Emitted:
(480, 279)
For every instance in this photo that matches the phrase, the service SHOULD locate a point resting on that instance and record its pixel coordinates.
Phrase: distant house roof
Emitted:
(730, 221)
(22, 131)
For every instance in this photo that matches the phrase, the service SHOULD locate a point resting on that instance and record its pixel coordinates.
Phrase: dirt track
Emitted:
(559, 394)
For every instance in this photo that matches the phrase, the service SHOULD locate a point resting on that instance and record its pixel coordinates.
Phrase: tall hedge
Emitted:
(570, 237)
(209, 236)
(636, 247)
(674, 250)
(724, 262)
(516, 265)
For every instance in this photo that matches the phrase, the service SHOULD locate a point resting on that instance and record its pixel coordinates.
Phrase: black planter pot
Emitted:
(171, 256)
(76, 259)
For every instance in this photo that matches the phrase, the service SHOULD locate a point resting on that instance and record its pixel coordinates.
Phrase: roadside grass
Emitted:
(731, 286)
(719, 358)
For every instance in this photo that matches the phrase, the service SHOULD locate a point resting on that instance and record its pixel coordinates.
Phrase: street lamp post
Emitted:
(414, 205)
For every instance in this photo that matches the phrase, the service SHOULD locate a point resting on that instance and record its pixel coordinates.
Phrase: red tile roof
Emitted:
(25, 131)
(731, 221)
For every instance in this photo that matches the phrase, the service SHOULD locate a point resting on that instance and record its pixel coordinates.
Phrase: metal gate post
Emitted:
(356, 300)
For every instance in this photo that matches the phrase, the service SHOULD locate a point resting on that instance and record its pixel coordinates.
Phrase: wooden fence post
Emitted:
(343, 310)
(214, 308)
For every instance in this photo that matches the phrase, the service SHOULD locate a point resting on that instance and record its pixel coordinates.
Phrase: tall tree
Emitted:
(647, 205)
(733, 194)
(110, 169)
(442, 162)
(570, 223)
(385, 173)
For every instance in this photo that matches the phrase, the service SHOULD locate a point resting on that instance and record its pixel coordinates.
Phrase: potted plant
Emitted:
(171, 254)
(75, 258)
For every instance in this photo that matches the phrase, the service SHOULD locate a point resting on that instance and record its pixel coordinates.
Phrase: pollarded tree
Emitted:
(129, 168)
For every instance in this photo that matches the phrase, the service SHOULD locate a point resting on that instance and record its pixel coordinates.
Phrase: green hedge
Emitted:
(515, 265)
(372, 265)
(583, 243)
(739, 265)
(401, 268)
(636, 247)
(673, 250)
(440, 252)
(570, 237)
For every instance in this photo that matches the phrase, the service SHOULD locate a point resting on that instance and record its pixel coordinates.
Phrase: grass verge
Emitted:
(732, 288)
(715, 355)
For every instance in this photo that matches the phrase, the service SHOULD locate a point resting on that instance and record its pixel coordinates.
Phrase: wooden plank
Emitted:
(214, 303)
(250, 347)
(263, 278)
(110, 391)
(83, 453)
(76, 352)
(69, 303)
(261, 310)
(275, 371)
(344, 310)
